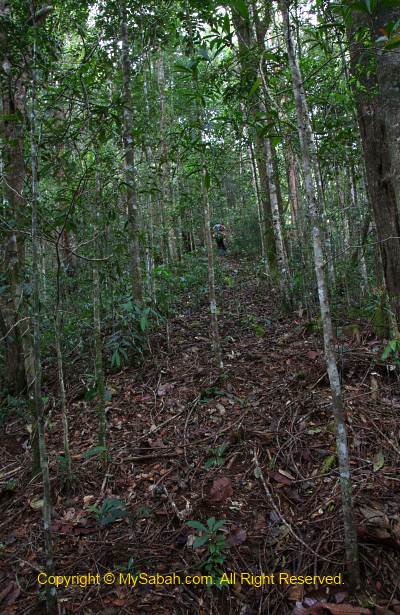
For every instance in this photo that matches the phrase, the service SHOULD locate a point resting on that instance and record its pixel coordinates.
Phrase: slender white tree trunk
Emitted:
(307, 153)
(276, 220)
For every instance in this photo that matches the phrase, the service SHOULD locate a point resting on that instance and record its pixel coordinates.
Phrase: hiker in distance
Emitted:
(219, 234)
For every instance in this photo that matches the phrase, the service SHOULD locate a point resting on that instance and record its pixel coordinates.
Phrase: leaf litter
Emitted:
(163, 421)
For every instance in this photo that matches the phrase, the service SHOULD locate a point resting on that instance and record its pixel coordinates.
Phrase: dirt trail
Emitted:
(182, 447)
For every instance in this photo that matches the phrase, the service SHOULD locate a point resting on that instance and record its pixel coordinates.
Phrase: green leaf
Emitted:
(90, 394)
(203, 52)
(182, 68)
(210, 463)
(328, 463)
(275, 140)
(392, 43)
(92, 452)
(197, 525)
(226, 24)
(241, 7)
(379, 461)
(211, 522)
(116, 359)
(254, 87)
(200, 541)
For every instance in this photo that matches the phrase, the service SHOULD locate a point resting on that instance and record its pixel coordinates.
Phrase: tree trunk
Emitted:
(378, 112)
(51, 597)
(280, 248)
(58, 325)
(260, 212)
(249, 74)
(13, 166)
(99, 368)
(130, 171)
(308, 162)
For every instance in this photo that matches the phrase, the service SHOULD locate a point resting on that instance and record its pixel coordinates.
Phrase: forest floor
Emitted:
(273, 481)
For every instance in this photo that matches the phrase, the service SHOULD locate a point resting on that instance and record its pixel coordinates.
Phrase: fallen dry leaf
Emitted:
(236, 537)
(295, 593)
(281, 478)
(221, 490)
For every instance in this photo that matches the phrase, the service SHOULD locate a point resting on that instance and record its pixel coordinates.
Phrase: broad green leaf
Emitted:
(392, 43)
(211, 522)
(90, 394)
(200, 541)
(241, 7)
(92, 452)
(197, 525)
(203, 52)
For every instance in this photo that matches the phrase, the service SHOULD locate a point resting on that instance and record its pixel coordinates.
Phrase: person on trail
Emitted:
(219, 234)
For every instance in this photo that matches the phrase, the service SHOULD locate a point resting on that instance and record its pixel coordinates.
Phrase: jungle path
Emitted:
(255, 449)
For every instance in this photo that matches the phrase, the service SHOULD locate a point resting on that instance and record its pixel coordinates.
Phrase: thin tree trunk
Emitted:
(58, 326)
(308, 153)
(129, 153)
(249, 74)
(216, 341)
(51, 597)
(259, 208)
(99, 368)
(205, 182)
(276, 217)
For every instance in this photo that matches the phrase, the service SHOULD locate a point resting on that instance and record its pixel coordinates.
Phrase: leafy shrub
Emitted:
(129, 336)
(111, 510)
(214, 540)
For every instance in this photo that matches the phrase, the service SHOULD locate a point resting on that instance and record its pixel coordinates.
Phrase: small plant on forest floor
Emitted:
(111, 510)
(217, 457)
(63, 466)
(214, 540)
(129, 337)
(129, 567)
(392, 352)
(229, 281)
(252, 323)
(211, 393)
(97, 451)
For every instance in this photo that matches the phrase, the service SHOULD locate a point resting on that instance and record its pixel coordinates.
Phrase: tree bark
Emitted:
(129, 153)
(13, 165)
(377, 102)
(308, 162)
(51, 597)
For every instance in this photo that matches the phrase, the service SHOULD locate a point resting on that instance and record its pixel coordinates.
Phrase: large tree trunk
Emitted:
(378, 109)
(12, 252)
